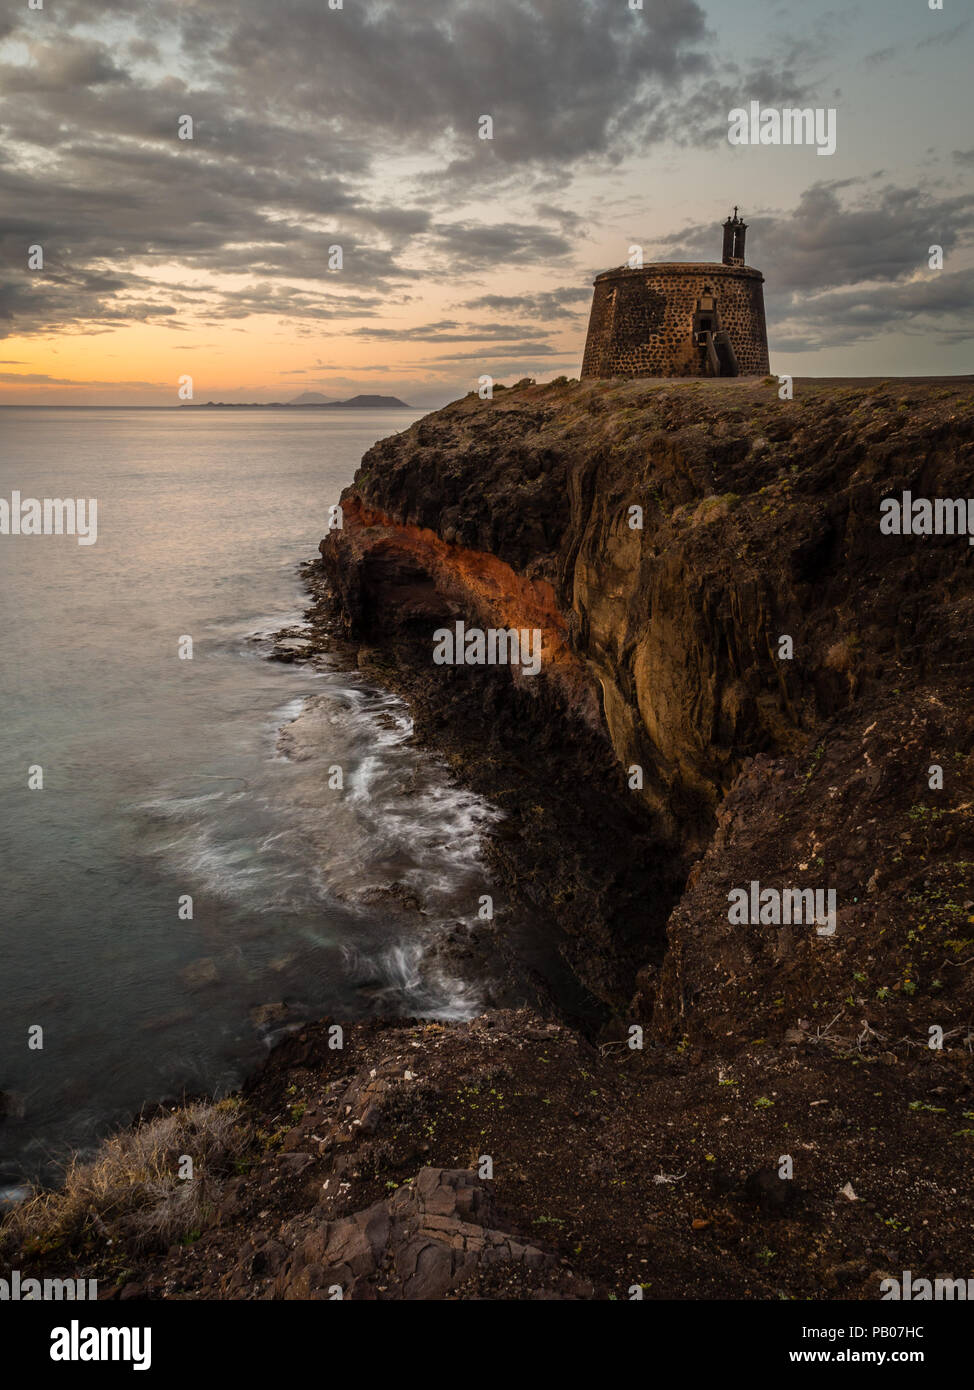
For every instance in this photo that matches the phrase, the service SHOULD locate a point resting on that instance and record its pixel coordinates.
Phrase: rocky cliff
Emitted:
(802, 1105)
(667, 539)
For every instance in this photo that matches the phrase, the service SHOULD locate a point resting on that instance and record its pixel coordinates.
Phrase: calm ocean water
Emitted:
(165, 777)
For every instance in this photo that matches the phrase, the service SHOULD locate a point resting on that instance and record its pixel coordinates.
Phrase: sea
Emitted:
(182, 882)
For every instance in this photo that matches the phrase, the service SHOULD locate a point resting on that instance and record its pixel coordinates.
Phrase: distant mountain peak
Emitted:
(362, 402)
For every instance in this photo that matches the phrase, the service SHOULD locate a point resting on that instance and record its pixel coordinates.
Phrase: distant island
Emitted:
(308, 398)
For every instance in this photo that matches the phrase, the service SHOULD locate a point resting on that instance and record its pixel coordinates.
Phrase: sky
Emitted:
(360, 127)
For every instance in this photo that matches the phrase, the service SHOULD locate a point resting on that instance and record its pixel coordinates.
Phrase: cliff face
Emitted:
(759, 522)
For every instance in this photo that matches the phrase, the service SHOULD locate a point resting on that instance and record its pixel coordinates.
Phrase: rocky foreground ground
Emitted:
(612, 1168)
(786, 1130)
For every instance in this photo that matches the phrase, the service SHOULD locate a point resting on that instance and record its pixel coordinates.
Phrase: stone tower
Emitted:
(674, 319)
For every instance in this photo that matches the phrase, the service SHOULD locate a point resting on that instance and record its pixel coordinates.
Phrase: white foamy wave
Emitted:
(175, 807)
(383, 866)
(403, 979)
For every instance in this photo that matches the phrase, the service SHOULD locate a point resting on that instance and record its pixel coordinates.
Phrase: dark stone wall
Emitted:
(642, 320)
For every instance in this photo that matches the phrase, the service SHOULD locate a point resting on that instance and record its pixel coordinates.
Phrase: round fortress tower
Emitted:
(673, 319)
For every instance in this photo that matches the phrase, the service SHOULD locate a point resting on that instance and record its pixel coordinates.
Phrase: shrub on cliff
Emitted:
(132, 1193)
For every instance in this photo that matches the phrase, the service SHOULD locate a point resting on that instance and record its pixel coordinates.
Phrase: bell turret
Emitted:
(735, 230)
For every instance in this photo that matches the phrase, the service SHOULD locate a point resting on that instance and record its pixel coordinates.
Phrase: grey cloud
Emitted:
(288, 302)
(838, 273)
(940, 306)
(824, 242)
(41, 379)
(945, 36)
(508, 351)
(485, 245)
(292, 101)
(705, 117)
(447, 331)
(65, 64)
(544, 306)
(562, 79)
(569, 221)
(818, 44)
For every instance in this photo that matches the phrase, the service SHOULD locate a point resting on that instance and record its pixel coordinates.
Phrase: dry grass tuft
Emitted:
(131, 1192)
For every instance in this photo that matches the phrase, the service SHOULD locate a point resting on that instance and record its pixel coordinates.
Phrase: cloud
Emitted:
(839, 271)
(543, 306)
(886, 235)
(61, 66)
(297, 111)
(446, 331)
(825, 241)
(487, 246)
(422, 73)
(881, 55)
(42, 379)
(940, 306)
(704, 117)
(508, 351)
(946, 36)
